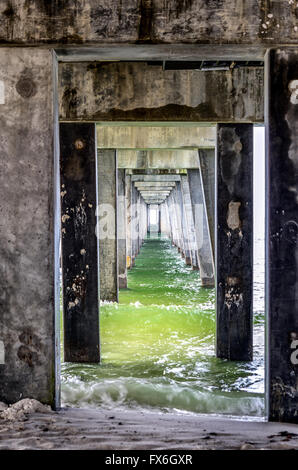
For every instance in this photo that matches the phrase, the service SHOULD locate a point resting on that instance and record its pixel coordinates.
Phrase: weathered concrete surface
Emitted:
(204, 250)
(281, 235)
(107, 224)
(234, 242)
(134, 224)
(184, 225)
(163, 159)
(189, 220)
(154, 185)
(29, 248)
(125, 137)
(121, 230)
(155, 178)
(128, 186)
(101, 22)
(207, 169)
(79, 242)
(131, 91)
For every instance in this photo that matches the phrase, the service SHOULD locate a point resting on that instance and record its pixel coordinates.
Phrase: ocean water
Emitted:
(157, 345)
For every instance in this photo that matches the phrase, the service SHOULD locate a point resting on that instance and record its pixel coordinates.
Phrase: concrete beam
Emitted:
(143, 138)
(100, 24)
(155, 178)
(282, 235)
(156, 192)
(155, 188)
(154, 184)
(181, 95)
(164, 159)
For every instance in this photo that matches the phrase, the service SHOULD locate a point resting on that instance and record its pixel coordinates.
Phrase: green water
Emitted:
(157, 347)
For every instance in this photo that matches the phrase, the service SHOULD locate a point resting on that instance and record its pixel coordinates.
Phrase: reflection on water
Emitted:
(158, 345)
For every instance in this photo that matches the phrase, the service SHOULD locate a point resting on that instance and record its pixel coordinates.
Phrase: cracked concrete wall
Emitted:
(148, 21)
(28, 291)
(136, 91)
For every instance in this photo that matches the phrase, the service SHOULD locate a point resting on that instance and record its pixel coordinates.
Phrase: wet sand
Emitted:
(87, 429)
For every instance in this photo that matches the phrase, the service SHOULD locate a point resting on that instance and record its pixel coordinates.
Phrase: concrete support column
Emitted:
(159, 220)
(148, 218)
(189, 221)
(121, 230)
(178, 218)
(79, 242)
(107, 224)
(29, 227)
(128, 196)
(234, 257)
(204, 252)
(170, 222)
(282, 234)
(184, 225)
(207, 169)
(134, 224)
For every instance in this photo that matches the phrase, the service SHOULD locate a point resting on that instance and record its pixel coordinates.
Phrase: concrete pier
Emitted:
(29, 227)
(79, 242)
(234, 257)
(207, 169)
(107, 223)
(121, 230)
(204, 252)
(128, 186)
(281, 234)
(184, 226)
(189, 221)
(134, 224)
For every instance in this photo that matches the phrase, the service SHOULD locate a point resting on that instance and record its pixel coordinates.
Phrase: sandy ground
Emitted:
(30, 426)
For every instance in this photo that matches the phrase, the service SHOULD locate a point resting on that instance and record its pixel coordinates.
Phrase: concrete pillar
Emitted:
(134, 222)
(170, 221)
(172, 218)
(29, 227)
(159, 220)
(204, 251)
(148, 218)
(282, 234)
(234, 257)
(121, 230)
(128, 196)
(189, 221)
(207, 169)
(139, 221)
(79, 242)
(178, 216)
(107, 224)
(184, 226)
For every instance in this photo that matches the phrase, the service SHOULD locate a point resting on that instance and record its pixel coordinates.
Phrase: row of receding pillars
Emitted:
(87, 214)
(105, 221)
